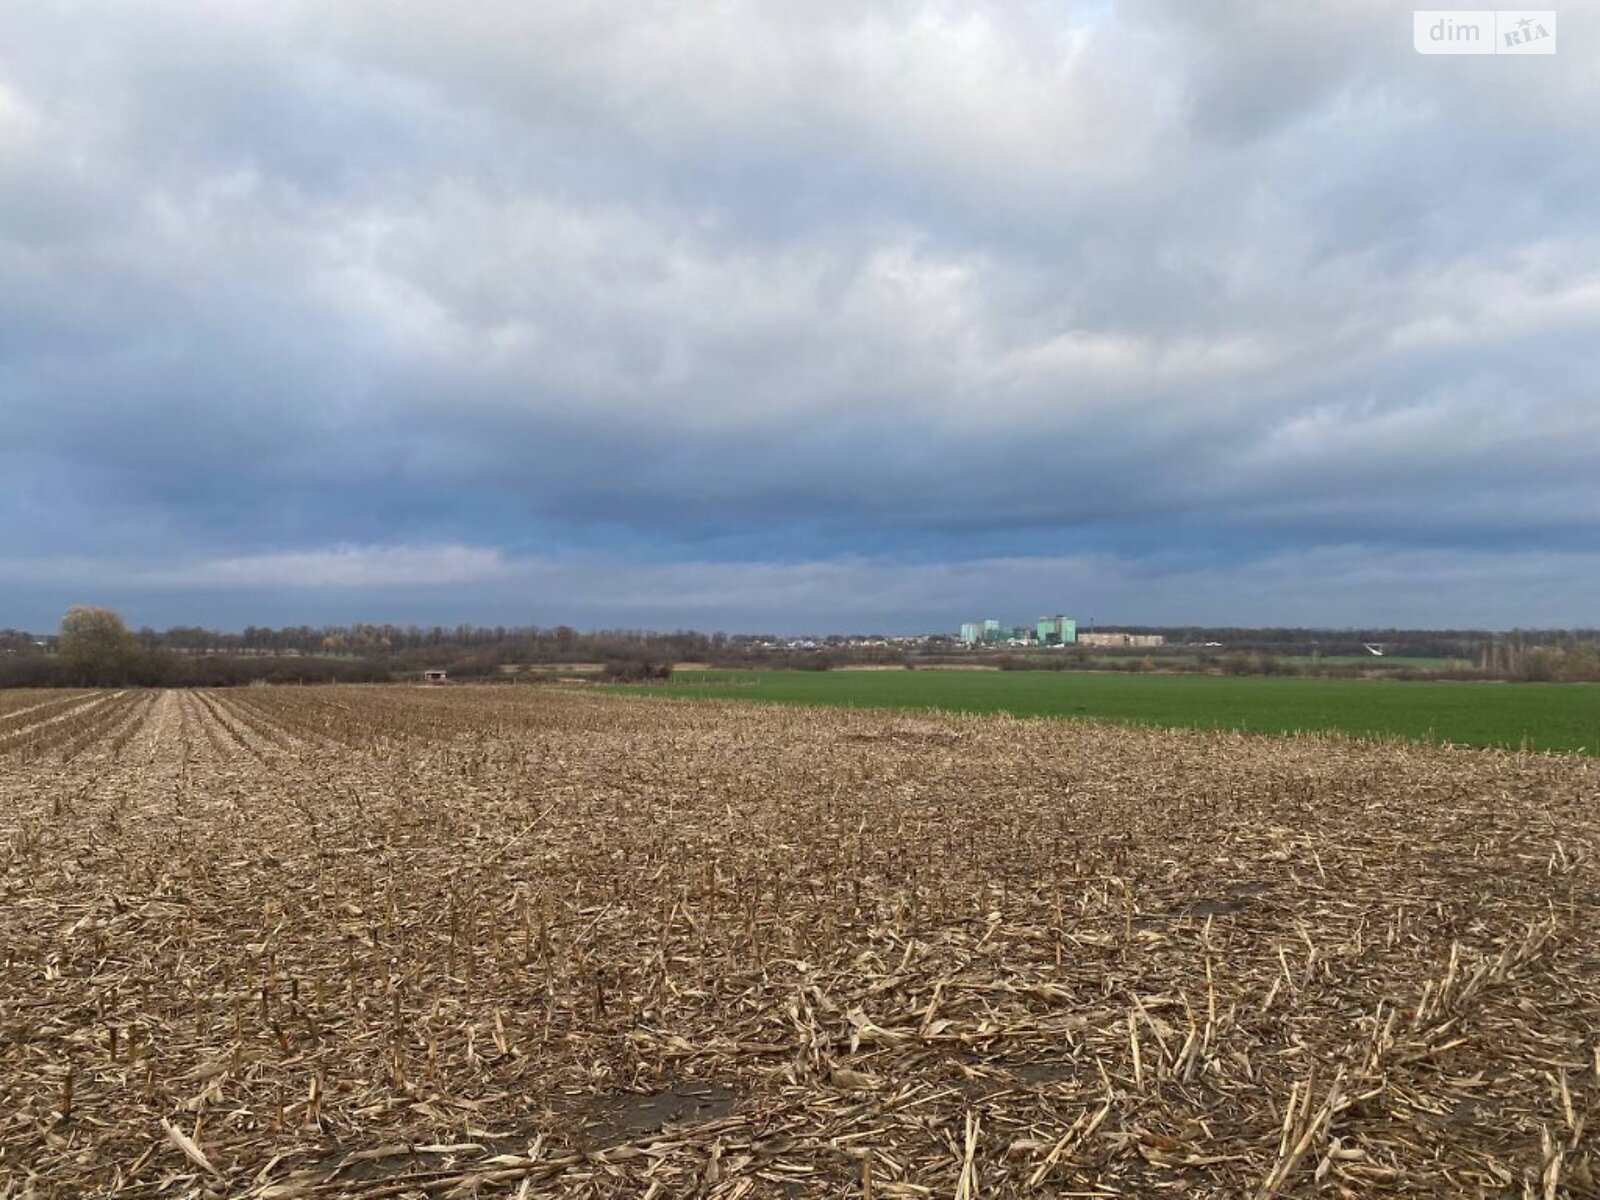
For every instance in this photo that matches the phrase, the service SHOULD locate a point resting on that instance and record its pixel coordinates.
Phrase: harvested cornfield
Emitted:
(518, 942)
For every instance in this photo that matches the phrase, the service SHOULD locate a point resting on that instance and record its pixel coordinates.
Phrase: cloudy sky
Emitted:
(811, 316)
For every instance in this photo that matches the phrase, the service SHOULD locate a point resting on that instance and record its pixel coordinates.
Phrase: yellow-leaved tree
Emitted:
(96, 647)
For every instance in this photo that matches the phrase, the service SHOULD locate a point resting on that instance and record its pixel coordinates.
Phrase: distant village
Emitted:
(1057, 631)
(1051, 631)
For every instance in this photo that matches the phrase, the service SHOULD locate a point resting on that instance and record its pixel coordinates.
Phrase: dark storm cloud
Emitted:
(833, 307)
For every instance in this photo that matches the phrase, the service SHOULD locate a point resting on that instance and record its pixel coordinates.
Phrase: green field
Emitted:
(1386, 662)
(1547, 716)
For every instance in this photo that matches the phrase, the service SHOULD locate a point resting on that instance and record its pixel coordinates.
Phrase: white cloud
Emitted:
(1339, 585)
(348, 567)
(19, 123)
(1493, 299)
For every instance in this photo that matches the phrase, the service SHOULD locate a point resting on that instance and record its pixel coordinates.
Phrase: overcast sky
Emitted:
(795, 317)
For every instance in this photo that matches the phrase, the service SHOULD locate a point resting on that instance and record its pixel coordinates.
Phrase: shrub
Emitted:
(636, 670)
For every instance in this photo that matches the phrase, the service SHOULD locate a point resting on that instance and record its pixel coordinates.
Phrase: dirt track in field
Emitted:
(384, 942)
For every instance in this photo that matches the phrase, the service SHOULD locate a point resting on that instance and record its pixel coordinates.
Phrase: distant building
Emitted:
(986, 632)
(434, 676)
(1113, 640)
(1049, 631)
(1056, 631)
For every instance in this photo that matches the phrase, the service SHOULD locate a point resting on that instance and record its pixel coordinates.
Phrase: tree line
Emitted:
(94, 647)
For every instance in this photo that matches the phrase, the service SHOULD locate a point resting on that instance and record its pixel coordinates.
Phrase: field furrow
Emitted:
(270, 728)
(16, 705)
(45, 731)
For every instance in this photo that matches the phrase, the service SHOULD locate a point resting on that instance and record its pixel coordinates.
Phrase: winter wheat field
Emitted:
(484, 942)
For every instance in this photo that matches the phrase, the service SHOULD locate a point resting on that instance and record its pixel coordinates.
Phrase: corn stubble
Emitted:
(372, 943)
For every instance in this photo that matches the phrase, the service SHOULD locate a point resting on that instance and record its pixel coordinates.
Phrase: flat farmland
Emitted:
(1540, 716)
(519, 942)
